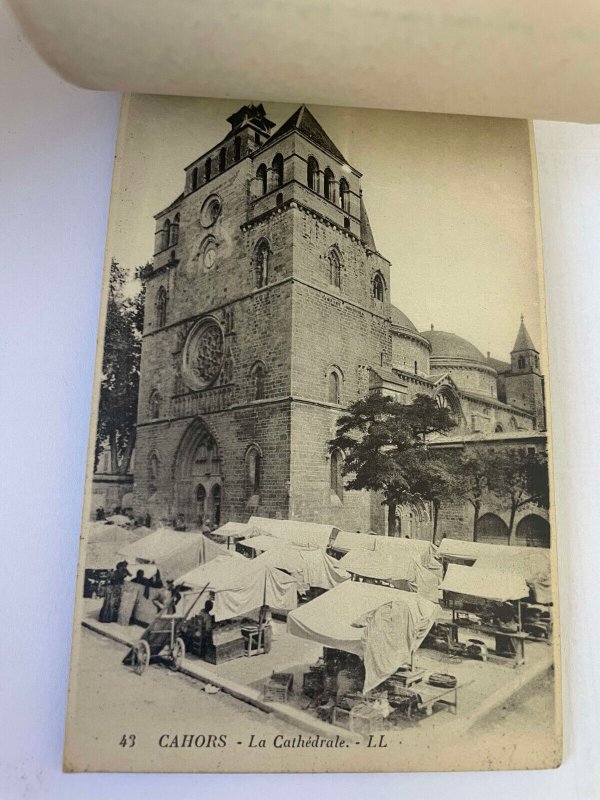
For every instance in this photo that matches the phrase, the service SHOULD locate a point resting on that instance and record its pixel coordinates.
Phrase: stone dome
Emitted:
(400, 319)
(450, 346)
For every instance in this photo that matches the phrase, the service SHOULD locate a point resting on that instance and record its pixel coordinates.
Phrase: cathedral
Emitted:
(267, 313)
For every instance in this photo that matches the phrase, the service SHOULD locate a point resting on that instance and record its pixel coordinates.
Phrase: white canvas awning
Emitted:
(174, 552)
(487, 584)
(241, 585)
(346, 541)
(310, 566)
(383, 626)
(233, 530)
(311, 534)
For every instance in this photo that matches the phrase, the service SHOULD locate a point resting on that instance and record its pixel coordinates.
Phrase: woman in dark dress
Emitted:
(110, 608)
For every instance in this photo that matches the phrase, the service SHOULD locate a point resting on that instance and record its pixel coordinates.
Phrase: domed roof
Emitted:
(449, 345)
(400, 319)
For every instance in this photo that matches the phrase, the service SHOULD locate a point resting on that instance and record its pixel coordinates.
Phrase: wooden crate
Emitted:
(278, 687)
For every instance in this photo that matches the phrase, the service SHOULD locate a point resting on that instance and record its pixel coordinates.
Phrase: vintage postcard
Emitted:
(317, 532)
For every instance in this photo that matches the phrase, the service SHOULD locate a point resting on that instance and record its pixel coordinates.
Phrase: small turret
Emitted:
(524, 383)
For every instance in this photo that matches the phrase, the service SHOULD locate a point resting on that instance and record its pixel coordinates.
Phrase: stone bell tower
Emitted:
(525, 382)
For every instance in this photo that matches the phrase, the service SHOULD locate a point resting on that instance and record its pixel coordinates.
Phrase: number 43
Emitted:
(127, 740)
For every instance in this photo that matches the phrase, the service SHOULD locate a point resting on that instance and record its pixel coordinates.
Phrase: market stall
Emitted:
(488, 601)
(241, 592)
(311, 567)
(104, 541)
(402, 571)
(381, 625)
(532, 563)
(303, 534)
(163, 554)
(231, 532)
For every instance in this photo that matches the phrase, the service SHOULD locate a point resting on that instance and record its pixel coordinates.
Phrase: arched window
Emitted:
(279, 198)
(215, 496)
(333, 387)
(378, 287)
(261, 264)
(312, 174)
(498, 429)
(166, 234)
(512, 424)
(153, 472)
(200, 503)
(175, 230)
(222, 159)
(258, 381)
(261, 175)
(335, 268)
(537, 362)
(521, 362)
(154, 404)
(344, 195)
(329, 184)
(194, 179)
(237, 148)
(161, 307)
(336, 481)
(277, 169)
(253, 470)
(207, 169)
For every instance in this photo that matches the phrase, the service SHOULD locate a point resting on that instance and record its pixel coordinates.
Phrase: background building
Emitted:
(267, 313)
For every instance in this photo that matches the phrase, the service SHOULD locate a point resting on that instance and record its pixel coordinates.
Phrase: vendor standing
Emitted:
(506, 618)
(206, 623)
(110, 608)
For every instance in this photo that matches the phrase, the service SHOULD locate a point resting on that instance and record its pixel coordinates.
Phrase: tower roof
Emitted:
(523, 340)
(366, 234)
(255, 115)
(304, 122)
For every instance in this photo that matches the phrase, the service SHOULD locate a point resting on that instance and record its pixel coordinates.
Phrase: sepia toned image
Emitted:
(317, 533)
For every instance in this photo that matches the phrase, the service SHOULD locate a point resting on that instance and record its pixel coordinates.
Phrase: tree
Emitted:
(385, 448)
(522, 478)
(120, 367)
(476, 469)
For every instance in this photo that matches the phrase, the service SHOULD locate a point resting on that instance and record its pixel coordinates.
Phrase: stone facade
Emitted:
(267, 313)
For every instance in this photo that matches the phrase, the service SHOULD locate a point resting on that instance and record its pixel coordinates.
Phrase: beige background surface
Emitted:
(510, 58)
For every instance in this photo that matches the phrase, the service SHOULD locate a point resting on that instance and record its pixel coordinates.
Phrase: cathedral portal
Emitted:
(198, 480)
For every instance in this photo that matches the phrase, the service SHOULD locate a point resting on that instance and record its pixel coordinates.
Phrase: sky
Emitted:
(451, 202)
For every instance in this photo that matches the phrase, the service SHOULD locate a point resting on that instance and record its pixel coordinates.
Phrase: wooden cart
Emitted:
(161, 639)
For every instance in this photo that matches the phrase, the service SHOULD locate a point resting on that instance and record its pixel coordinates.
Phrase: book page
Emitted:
(511, 59)
(318, 530)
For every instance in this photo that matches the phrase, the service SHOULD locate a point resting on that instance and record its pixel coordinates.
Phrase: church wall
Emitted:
(310, 496)
(470, 379)
(406, 351)
(526, 391)
(266, 425)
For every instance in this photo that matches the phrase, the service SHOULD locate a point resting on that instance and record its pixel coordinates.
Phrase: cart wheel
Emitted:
(177, 654)
(141, 656)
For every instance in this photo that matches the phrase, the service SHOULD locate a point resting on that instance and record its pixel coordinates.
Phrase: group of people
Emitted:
(165, 599)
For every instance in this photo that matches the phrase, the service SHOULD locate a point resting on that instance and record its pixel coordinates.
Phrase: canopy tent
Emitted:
(532, 563)
(304, 534)
(233, 530)
(262, 542)
(173, 552)
(104, 542)
(241, 585)
(346, 541)
(310, 566)
(381, 625)
(488, 584)
(406, 569)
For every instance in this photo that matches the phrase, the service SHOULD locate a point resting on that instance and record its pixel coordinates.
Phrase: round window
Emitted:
(211, 210)
(203, 354)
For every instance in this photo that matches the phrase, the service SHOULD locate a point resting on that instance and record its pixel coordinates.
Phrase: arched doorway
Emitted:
(198, 480)
(533, 531)
(491, 529)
